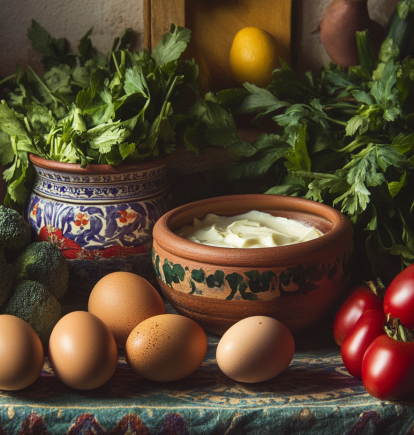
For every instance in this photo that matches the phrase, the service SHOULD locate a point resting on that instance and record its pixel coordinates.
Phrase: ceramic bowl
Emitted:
(296, 284)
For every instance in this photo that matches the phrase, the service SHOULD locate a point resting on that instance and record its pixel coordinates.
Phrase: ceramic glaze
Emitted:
(296, 284)
(101, 217)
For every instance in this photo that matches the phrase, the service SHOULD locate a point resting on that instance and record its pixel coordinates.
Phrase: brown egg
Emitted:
(123, 300)
(21, 353)
(82, 351)
(255, 349)
(167, 347)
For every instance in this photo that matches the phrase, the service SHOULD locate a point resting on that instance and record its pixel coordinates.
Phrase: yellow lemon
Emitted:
(253, 56)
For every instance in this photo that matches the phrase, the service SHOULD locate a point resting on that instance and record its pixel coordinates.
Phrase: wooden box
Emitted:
(214, 24)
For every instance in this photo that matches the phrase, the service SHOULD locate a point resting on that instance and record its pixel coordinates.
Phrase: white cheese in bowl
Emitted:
(253, 229)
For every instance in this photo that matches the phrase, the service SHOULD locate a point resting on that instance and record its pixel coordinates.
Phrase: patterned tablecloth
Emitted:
(315, 395)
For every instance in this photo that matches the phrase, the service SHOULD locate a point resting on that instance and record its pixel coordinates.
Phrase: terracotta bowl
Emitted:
(296, 284)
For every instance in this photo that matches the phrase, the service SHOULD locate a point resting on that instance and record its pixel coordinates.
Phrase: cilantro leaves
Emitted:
(345, 137)
(90, 108)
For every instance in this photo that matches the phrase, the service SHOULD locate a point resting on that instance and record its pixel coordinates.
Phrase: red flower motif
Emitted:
(34, 211)
(50, 234)
(85, 254)
(97, 252)
(72, 250)
(53, 235)
(81, 219)
(70, 254)
(126, 216)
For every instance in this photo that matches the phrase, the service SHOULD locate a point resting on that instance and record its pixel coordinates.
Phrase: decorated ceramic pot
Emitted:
(218, 286)
(101, 217)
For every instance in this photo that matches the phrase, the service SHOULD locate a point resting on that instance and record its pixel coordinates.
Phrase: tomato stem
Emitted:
(402, 332)
(379, 289)
(397, 331)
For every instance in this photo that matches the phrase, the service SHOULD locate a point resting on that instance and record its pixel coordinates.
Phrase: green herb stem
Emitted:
(170, 90)
(120, 68)
(26, 123)
(78, 150)
(316, 175)
(357, 143)
(50, 138)
(341, 106)
(167, 108)
(43, 84)
(335, 121)
(7, 79)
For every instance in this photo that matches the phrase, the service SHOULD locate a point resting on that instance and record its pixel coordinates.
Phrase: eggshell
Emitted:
(82, 351)
(255, 349)
(123, 300)
(166, 348)
(21, 353)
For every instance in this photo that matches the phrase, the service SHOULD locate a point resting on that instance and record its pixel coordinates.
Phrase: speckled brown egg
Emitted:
(82, 351)
(166, 348)
(21, 353)
(123, 300)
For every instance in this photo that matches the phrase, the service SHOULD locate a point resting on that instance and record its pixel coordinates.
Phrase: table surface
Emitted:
(315, 394)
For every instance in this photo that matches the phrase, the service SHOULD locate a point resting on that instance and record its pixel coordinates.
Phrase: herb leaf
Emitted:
(171, 45)
(55, 51)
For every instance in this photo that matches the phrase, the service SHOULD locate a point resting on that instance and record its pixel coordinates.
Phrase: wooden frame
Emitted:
(158, 16)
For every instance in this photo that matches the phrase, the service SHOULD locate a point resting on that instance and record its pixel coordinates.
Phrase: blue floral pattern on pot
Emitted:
(102, 222)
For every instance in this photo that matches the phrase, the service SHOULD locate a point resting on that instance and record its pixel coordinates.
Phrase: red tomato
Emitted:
(399, 297)
(388, 368)
(368, 327)
(361, 299)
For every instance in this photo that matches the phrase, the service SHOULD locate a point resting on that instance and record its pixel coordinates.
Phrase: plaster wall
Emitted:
(72, 19)
(62, 18)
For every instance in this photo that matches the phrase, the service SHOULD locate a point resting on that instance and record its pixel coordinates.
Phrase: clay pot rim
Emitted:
(76, 168)
(257, 257)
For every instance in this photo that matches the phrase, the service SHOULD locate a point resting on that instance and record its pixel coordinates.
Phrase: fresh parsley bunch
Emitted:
(344, 137)
(88, 108)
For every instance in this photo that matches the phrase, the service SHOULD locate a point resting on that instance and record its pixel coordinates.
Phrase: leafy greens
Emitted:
(88, 108)
(344, 137)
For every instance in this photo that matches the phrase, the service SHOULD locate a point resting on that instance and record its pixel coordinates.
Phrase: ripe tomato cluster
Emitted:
(375, 336)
